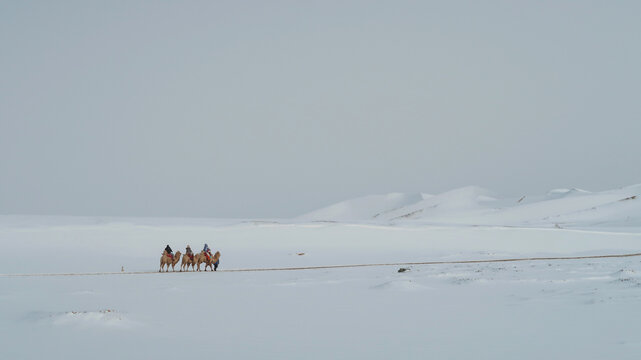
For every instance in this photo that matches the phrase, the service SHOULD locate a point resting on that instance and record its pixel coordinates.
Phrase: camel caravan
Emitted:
(168, 258)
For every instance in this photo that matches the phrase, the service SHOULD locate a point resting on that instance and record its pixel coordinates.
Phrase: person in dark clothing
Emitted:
(169, 251)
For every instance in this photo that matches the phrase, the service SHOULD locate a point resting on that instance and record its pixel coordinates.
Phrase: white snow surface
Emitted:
(552, 309)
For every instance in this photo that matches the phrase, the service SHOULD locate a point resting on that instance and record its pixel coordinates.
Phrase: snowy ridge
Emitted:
(474, 205)
(366, 207)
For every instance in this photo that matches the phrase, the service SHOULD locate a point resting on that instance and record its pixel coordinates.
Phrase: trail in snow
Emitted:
(340, 266)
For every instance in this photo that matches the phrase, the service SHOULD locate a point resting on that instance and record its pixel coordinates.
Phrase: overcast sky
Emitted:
(275, 108)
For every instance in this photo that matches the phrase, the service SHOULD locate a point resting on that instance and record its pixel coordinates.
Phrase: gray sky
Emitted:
(270, 108)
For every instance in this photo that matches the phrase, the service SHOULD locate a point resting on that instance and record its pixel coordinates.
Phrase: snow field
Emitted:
(571, 309)
(580, 309)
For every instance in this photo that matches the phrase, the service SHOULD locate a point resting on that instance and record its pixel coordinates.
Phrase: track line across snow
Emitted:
(341, 266)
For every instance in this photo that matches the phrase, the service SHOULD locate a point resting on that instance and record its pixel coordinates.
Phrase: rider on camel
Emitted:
(169, 252)
(207, 251)
(189, 252)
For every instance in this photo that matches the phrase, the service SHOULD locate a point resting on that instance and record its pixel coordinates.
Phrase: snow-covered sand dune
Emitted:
(573, 309)
(477, 206)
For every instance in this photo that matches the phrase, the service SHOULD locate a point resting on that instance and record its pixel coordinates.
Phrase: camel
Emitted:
(212, 262)
(166, 260)
(188, 261)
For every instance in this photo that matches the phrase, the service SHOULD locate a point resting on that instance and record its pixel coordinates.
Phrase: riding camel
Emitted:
(188, 260)
(166, 259)
(212, 262)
